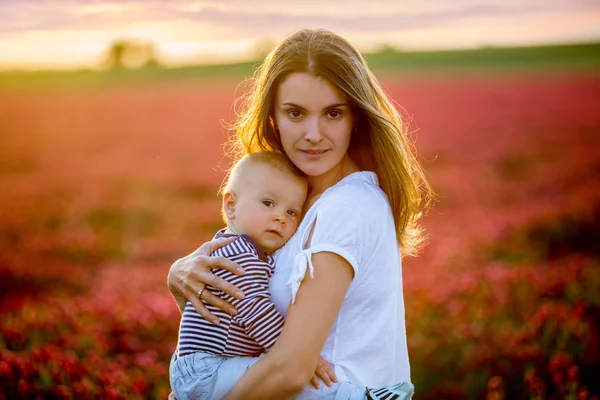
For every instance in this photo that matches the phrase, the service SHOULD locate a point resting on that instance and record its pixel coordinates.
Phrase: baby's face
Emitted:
(268, 206)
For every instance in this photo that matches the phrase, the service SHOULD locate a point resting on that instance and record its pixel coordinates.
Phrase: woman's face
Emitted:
(314, 122)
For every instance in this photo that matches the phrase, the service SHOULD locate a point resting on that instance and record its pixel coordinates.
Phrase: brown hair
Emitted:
(379, 143)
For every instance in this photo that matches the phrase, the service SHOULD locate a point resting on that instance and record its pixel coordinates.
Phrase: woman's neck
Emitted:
(318, 184)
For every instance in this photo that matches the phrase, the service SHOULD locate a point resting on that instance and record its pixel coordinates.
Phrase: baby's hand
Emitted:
(324, 371)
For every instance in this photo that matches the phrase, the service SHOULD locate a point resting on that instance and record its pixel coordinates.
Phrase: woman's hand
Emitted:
(190, 274)
(324, 371)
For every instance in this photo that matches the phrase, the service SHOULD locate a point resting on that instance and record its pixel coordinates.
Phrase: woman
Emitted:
(338, 280)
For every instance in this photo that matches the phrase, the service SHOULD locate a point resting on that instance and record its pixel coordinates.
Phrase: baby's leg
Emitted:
(193, 376)
(202, 376)
(230, 371)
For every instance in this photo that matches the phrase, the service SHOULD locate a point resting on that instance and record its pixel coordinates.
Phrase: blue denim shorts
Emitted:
(203, 376)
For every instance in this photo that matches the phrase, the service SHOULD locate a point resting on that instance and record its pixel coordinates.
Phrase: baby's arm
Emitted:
(256, 312)
(257, 315)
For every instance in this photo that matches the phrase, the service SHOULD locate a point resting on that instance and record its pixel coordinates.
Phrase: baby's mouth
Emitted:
(275, 232)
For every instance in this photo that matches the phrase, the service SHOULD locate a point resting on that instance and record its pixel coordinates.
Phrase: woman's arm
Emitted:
(288, 367)
(191, 273)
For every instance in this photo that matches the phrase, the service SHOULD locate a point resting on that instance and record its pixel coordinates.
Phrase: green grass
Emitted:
(555, 58)
(85, 78)
(545, 57)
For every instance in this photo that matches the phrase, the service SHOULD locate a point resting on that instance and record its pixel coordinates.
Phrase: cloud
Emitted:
(251, 22)
(52, 32)
(255, 23)
(237, 18)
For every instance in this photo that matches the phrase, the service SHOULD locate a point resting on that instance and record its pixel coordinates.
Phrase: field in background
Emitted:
(388, 61)
(105, 184)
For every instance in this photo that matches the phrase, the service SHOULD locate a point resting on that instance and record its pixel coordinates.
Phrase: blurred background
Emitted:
(113, 117)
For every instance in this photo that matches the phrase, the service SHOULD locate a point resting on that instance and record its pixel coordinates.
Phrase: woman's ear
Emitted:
(229, 201)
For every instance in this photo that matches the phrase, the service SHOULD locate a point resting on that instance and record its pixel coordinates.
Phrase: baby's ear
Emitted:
(229, 201)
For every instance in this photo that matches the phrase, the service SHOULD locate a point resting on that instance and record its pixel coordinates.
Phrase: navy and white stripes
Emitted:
(257, 325)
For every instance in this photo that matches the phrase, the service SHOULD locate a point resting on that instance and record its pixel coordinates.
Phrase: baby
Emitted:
(262, 206)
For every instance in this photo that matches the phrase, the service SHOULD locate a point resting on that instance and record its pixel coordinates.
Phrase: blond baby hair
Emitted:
(270, 158)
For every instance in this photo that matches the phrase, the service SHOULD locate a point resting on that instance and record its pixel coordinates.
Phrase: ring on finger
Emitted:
(200, 292)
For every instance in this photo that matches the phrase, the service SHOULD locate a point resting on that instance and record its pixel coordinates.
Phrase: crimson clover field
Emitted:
(102, 188)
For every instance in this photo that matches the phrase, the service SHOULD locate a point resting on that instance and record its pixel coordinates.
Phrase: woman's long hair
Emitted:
(378, 143)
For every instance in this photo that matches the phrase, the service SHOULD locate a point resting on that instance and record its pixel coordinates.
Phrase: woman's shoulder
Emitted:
(353, 215)
(360, 189)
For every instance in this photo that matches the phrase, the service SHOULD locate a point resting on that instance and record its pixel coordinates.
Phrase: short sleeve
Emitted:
(347, 224)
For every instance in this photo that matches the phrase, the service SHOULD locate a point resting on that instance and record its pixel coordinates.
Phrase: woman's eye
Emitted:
(334, 114)
(294, 114)
(268, 203)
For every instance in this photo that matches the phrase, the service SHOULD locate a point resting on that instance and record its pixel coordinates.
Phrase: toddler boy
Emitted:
(262, 206)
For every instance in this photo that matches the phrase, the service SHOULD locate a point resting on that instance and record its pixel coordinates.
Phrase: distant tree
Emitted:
(386, 48)
(126, 53)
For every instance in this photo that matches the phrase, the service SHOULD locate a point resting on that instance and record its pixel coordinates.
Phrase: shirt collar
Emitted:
(360, 176)
(261, 253)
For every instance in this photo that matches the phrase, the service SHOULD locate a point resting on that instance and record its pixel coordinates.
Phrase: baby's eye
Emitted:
(268, 203)
(293, 213)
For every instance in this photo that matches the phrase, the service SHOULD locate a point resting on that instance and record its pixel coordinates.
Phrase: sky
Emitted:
(67, 34)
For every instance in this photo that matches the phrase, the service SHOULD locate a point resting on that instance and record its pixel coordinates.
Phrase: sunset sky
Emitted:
(43, 34)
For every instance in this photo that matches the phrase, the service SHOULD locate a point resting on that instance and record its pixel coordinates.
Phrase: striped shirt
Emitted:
(257, 324)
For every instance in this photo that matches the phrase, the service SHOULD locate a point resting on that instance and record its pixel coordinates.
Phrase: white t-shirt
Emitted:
(353, 219)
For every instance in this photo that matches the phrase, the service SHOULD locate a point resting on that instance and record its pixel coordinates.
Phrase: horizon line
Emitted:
(381, 48)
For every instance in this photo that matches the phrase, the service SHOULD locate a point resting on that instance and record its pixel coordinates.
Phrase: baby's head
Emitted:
(263, 198)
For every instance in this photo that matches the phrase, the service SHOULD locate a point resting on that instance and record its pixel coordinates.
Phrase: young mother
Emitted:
(338, 280)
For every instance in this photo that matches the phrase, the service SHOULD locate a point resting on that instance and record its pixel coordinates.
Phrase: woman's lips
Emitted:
(313, 153)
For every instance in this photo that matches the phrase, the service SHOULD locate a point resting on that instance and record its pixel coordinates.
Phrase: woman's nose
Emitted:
(313, 132)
